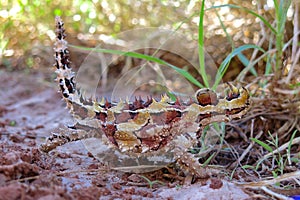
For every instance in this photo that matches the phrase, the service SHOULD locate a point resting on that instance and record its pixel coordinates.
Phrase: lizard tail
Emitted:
(65, 75)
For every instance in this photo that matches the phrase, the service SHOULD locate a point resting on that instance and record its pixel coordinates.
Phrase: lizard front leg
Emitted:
(66, 136)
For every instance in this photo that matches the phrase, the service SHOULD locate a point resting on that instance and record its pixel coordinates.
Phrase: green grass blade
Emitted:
(183, 72)
(261, 143)
(208, 159)
(248, 167)
(281, 15)
(268, 68)
(201, 46)
(291, 140)
(246, 62)
(243, 59)
(224, 65)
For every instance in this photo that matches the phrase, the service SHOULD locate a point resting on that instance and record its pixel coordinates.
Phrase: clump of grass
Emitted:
(280, 160)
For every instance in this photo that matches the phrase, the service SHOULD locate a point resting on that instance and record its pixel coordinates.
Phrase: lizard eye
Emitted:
(206, 97)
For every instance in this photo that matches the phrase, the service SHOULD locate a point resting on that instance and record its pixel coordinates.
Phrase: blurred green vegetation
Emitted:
(27, 26)
(27, 23)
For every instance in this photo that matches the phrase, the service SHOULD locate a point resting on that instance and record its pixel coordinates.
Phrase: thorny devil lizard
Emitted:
(141, 136)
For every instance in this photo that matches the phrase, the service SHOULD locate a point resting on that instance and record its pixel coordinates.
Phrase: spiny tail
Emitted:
(65, 78)
(65, 75)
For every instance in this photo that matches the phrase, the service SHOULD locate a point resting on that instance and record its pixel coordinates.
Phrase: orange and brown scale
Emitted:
(151, 127)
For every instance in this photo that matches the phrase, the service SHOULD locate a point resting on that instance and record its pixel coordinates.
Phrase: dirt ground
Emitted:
(30, 109)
